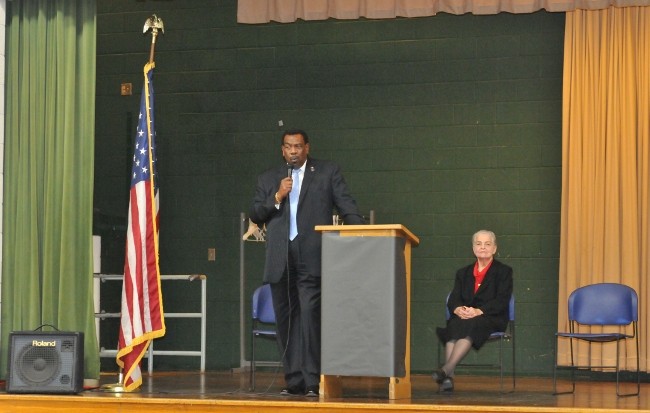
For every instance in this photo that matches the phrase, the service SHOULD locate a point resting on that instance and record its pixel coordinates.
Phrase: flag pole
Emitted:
(153, 24)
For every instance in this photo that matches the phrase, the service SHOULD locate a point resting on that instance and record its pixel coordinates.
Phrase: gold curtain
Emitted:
(605, 164)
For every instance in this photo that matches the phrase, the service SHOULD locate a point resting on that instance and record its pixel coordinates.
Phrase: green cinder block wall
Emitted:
(446, 124)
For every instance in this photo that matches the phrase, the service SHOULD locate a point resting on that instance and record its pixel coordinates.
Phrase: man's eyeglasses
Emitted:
(298, 146)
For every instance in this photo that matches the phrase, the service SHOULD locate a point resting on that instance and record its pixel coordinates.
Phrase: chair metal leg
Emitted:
(572, 367)
(252, 367)
(514, 365)
(501, 362)
(638, 375)
(501, 366)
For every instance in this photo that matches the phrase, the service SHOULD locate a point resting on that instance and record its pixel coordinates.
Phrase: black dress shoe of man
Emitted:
(311, 391)
(439, 375)
(292, 391)
(447, 385)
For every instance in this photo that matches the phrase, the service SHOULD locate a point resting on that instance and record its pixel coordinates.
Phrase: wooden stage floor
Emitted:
(217, 392)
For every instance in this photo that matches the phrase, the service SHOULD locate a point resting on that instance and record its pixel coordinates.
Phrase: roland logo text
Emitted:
(42, 343)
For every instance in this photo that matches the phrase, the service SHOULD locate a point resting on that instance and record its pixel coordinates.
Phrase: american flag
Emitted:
(142, 318)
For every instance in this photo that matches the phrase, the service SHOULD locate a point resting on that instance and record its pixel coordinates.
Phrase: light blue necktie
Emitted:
(293, 204)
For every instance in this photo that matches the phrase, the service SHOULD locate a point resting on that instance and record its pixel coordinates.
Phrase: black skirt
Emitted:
(478, 329)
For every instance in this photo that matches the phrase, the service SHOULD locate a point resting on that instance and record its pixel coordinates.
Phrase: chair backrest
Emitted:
(603, 304)
(263, 305)
(511, 308)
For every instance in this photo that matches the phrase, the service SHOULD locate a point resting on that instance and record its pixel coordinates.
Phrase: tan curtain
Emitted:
(286, 11)
(605, 162)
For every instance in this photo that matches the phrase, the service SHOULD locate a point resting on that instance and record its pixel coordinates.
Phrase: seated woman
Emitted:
(478, 305)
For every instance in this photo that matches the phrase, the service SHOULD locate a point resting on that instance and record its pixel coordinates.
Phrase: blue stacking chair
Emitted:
(611, 307)
(501, 337)
(263, 317)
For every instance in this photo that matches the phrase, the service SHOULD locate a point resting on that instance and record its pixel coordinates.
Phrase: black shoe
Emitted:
(291, 391)
(447, 385)
(311, 391)
(439, 375)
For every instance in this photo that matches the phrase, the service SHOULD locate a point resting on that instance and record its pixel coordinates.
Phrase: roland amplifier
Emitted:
(45, 362)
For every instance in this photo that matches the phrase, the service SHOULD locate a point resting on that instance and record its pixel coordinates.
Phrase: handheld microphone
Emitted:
(289, 169)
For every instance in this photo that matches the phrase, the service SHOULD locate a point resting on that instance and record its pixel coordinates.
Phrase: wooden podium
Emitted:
(366, 306)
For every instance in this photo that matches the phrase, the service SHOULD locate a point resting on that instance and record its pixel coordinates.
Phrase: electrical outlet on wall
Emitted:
(212, 254)
(126, 89)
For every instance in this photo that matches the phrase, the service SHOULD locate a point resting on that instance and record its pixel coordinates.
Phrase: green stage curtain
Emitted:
(47, 265)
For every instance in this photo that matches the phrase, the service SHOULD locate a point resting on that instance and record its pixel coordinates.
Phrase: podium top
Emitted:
(370, 230)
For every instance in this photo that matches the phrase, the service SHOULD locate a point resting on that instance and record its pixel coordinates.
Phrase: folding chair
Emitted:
(611, 308)
(262, 306)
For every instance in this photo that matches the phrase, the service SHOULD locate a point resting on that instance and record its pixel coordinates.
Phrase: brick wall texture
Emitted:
(445, 124)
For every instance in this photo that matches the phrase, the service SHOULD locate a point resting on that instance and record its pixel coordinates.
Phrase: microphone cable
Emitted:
(288, 267)
(288, 206)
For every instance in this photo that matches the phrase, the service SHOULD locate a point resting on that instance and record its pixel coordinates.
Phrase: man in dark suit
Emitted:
(293, 251)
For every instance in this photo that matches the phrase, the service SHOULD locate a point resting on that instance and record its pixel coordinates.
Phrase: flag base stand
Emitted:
(114, 388)
(117, 387)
